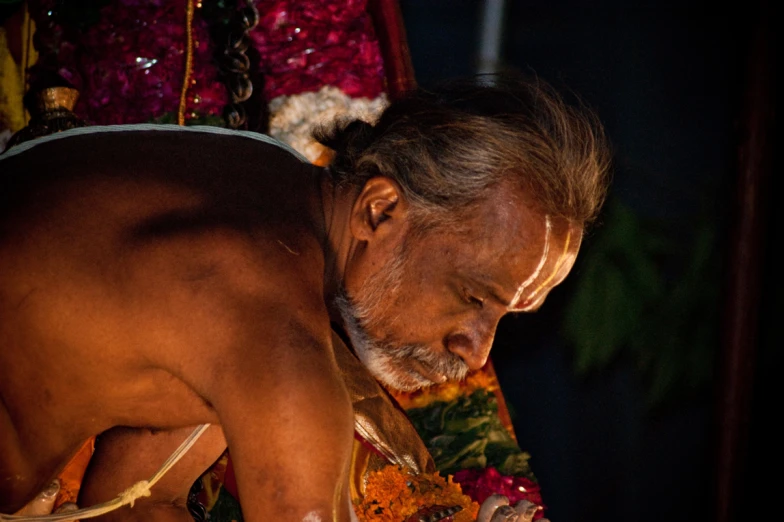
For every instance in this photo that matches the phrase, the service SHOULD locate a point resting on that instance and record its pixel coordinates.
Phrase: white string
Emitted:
(129, 496)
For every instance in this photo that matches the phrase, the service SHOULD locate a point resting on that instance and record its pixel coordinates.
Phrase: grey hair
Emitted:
(448, 147)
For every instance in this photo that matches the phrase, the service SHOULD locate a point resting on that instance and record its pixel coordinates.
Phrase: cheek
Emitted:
(422, 313)
(421, 284)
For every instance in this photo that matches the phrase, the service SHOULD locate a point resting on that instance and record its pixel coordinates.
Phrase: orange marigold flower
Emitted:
(448, 391)
(392, 495)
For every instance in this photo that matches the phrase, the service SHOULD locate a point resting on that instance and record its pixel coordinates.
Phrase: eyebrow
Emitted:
(487, 288)
(506, 304)
(495, 297)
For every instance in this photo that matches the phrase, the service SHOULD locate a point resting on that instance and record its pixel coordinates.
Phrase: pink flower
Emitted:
(481, 483)
(307, 45)
(129, 66)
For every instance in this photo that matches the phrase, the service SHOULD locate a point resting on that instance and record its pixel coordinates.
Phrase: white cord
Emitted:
(129, 496)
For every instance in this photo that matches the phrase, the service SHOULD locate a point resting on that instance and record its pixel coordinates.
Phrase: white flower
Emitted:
(293, 118)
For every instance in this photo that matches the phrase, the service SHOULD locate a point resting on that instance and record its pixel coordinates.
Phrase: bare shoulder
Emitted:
(127, 224)
(179, 277)
(133, 168)
(173, 275)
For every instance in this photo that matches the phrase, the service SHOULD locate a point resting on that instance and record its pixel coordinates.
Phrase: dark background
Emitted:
(671, 82)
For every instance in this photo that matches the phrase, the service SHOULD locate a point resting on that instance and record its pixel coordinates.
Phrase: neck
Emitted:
(336, 243)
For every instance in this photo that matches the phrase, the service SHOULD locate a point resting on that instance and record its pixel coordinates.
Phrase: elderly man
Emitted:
(155, 278)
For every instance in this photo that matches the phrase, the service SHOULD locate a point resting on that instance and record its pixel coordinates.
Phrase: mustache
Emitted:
(446, 363)
(390, 361)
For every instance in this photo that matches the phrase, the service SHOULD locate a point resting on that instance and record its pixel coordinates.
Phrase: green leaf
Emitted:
(468, 433)
(637, 290)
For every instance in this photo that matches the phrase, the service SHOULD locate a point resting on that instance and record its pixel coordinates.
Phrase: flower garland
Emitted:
(479, 380)
(127, 58)
(467, 430)
(304, 46)
(293, 118)
(393, 495)
(480, 483)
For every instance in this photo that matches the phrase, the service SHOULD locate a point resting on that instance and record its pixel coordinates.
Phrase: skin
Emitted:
(125, 456)
(137, 332)
(506, 257)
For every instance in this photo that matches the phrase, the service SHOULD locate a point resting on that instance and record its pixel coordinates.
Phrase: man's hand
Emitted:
(43, 504)
(496, 508)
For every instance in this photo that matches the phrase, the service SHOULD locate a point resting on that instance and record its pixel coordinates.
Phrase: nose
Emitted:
(473, 348)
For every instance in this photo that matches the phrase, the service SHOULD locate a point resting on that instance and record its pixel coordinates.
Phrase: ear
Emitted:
(379, 208)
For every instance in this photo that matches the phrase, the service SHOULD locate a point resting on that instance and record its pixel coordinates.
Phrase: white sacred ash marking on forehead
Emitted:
(532, 299)
(525, 284)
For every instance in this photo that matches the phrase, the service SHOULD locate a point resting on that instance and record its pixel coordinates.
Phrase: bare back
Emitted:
(160, 279)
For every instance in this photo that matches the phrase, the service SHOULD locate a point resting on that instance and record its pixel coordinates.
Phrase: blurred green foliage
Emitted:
(648, 292)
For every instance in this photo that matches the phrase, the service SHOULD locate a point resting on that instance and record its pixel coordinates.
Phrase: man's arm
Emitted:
(124, 456)
(289, 430)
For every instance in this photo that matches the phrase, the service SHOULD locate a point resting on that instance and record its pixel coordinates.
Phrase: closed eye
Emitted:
(472, 299)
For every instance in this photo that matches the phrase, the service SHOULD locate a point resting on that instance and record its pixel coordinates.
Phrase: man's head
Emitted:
(471, 202)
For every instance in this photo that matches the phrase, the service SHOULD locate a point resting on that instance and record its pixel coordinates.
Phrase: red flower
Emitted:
(306, 45)
(129, 65)
(481, 483)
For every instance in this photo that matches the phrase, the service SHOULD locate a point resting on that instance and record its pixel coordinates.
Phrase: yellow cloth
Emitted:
(12, 73)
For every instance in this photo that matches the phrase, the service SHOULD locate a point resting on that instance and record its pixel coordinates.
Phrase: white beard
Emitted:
(384, 358)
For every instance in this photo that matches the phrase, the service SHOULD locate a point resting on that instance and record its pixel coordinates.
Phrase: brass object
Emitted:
(55, 99)
(51, 111)
(380, 423)
(435, 513)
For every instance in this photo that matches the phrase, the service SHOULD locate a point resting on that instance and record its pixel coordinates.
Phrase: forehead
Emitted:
(518, 252)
